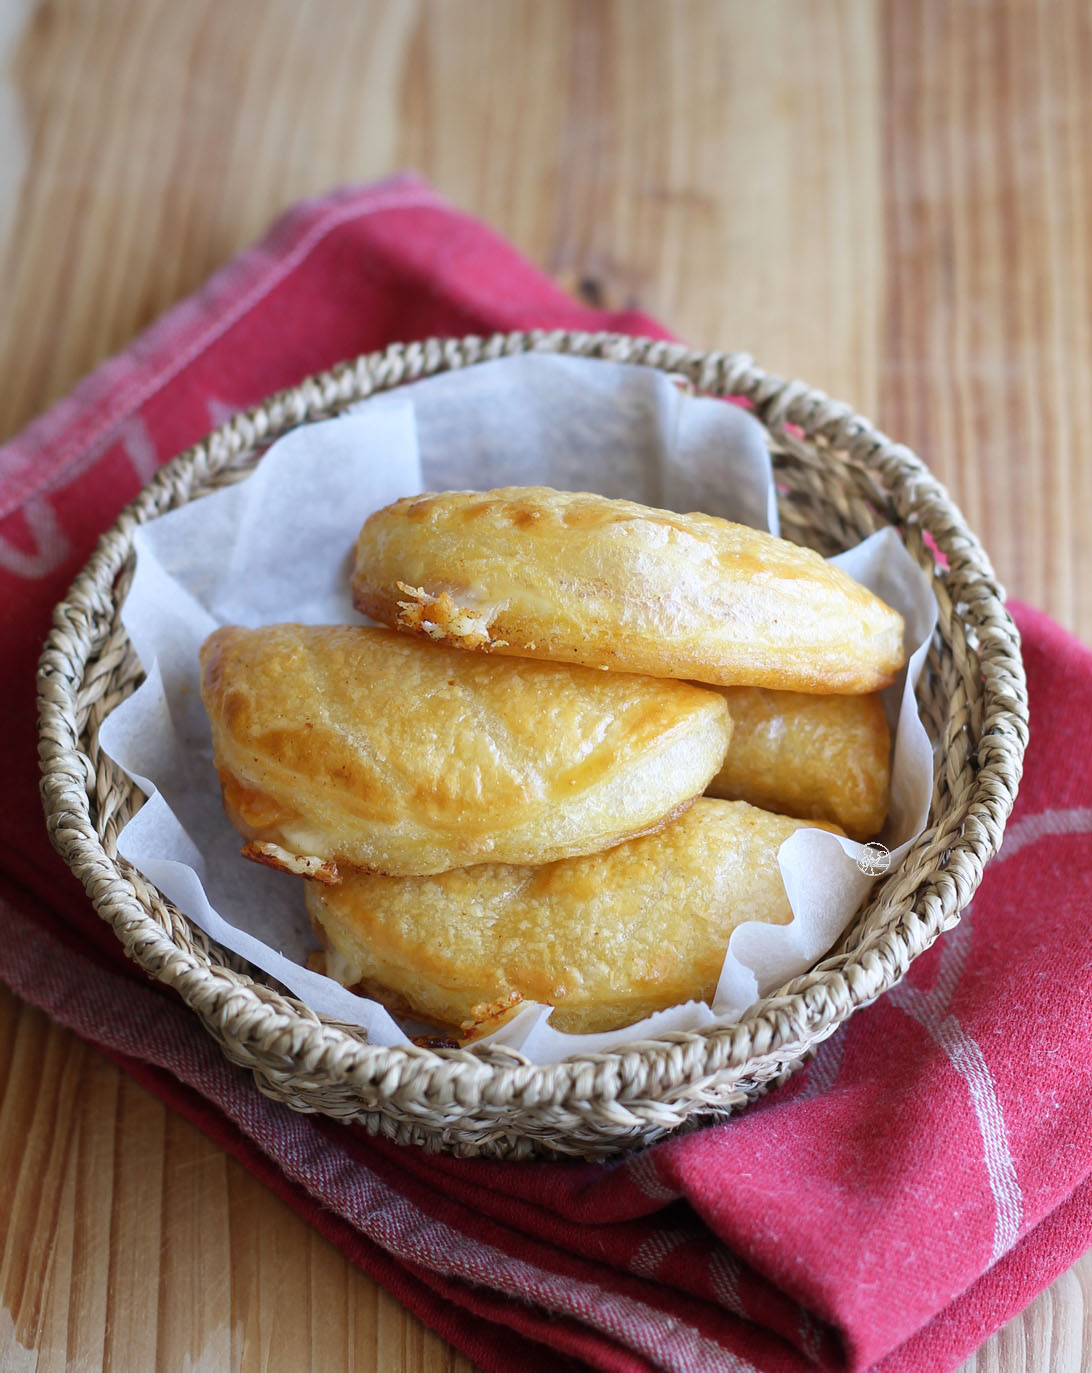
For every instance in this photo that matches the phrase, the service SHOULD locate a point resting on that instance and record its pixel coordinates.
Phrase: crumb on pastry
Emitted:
(443, 620)
(322, 870)
(436, 1042)
(488, 1015)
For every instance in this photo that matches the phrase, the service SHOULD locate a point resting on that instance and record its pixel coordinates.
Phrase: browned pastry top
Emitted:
(342, 746)
(575, 577)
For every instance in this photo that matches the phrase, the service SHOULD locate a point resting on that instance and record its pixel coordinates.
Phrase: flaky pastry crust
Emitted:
(575, 577)
(815, 757)
(607, 939)
(343, 747)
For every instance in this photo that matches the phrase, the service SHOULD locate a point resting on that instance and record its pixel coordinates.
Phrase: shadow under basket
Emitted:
(839, 481)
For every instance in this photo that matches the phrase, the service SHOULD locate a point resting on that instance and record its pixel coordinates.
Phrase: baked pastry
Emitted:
(815, 757)
(578, 578)
(606, 939)
(342, 747)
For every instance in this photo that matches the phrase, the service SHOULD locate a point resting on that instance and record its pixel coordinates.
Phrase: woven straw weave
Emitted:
(841, 480)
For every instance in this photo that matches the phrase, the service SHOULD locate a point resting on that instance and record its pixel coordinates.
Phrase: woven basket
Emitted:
(840, 481)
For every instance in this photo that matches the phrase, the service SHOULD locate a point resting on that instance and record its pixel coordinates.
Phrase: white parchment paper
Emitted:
(277, 546)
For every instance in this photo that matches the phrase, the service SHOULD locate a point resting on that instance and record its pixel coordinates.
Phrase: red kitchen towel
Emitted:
(893, 1204)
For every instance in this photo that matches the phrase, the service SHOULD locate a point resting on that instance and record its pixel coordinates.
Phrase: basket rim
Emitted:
(807, 1007)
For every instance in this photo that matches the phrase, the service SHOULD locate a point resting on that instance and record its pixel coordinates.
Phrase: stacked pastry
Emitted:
(499, 797)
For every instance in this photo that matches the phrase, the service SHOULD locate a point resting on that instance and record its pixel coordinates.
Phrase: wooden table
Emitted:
(891, 201)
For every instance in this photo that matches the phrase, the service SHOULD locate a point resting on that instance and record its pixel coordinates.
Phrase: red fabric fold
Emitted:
(906, 1194)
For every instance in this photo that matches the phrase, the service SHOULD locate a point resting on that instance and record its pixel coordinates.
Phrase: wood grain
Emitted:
(889, 200)
(133, 1242)
(988, 341)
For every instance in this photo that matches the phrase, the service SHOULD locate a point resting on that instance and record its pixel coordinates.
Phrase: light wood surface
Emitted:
(890, 201)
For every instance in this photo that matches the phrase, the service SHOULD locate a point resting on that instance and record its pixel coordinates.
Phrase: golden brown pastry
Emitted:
(578, 578)
(341, 747)
(607, 939)
(816, 757)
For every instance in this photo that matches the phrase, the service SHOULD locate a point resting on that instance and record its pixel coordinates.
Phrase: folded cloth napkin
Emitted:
(889, 1207)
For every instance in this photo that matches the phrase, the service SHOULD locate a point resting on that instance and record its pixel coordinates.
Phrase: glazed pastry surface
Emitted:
(575, 577)
(345, 747)
(816, 757)
(607, 939)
